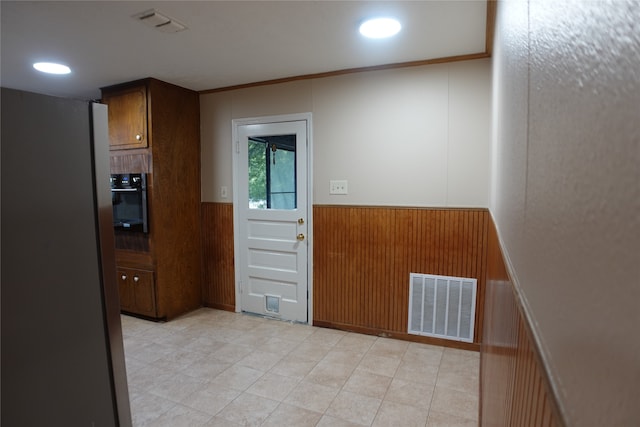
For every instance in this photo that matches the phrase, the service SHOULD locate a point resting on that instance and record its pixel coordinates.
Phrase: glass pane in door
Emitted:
(272, 172)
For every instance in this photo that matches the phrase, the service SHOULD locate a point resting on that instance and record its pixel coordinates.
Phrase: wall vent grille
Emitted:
(442, 306)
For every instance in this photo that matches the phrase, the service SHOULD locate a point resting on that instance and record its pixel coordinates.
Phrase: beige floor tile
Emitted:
(409, 393)
(238, 377)
(367, 384)
(379, 364)
(328, 421)
(467, 382)
(279, 345)
(147, 407)
(148, 377)
(423, 353)
(221, 422)
(397, 414)
(260, 360)
(179, 359)
(327, 337)
(455, 402)
(441, 419)
(231, 352)
(248, 409)
(293, 366)
(246, 323)
(132, 326)
(356, 342)
(274, 387)
(177, 387)
(417, 372)
(343, 357)
(314, 397)
(287, 415)
(310, 351)
(222, 334)
(180, 416)
(204, 344)
(297, 332)
(354, 408)
(271, 327)
(330, 374)
(206, 368)
(211, 399)
(251, 338)
(388, 347)
(216, 368)
(460, 361)
(147, 351)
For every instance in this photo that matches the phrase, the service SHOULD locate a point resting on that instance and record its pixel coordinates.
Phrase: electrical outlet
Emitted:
(338, 187)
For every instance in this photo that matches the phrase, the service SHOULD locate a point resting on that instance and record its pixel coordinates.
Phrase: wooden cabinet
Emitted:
(127, 117)
(137, 291)
(169, 153)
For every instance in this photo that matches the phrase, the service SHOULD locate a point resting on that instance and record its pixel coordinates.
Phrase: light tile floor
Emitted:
(216, 368)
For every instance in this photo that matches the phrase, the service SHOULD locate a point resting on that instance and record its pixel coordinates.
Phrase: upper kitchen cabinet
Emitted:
(127, 117)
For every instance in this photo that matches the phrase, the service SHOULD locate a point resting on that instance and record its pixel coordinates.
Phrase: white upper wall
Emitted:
(566, 193)
(414, 136)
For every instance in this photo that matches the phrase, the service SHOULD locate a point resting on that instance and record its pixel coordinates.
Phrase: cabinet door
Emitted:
(127, 118)
(126, 290)
(144, 292)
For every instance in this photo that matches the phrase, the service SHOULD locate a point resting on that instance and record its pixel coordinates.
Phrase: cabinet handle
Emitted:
(136, 278)
(138, 137)
(124, 277)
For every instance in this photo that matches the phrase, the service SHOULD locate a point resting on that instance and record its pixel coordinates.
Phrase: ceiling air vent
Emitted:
(159, 21)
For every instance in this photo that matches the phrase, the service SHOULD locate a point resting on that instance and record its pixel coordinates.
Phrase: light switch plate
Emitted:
(338, 187)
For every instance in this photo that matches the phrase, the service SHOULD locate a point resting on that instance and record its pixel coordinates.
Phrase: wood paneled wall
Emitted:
(514, 387)
(217, 251)
(362, 258)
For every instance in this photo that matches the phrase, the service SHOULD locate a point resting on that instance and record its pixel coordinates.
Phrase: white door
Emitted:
(272, 221)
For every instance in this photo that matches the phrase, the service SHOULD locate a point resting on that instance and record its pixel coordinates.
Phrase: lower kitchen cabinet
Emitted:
(137, 291)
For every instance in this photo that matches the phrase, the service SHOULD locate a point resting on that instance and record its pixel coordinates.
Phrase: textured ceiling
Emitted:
(227, 43)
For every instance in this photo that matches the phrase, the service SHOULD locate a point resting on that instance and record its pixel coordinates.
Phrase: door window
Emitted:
(272, 172)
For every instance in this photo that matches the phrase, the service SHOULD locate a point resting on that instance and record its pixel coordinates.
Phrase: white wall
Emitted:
(566, 193)
(405, 137)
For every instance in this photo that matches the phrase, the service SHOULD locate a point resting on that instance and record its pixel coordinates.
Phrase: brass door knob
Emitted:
(300, 236)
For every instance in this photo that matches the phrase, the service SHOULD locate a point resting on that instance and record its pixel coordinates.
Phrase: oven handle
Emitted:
(116, 190)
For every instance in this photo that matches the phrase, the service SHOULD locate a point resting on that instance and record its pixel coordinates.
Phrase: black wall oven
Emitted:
(129, 199)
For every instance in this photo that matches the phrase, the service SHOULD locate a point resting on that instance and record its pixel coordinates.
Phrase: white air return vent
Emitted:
(442, 306)
(159, 21)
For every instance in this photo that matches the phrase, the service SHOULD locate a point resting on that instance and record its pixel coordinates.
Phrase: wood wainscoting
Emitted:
(362, 258)
(218, 283)
(514, 386)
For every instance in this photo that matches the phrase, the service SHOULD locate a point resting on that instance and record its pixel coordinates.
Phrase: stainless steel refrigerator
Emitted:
(62, 358)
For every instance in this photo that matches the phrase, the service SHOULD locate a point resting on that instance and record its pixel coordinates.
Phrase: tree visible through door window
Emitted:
(272, 172)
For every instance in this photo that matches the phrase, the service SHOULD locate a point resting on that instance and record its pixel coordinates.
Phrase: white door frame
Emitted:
(235, 123)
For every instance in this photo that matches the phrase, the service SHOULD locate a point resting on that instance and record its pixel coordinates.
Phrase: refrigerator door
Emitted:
(57, 272)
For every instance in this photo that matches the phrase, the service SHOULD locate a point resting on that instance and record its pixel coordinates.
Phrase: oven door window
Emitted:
(127, 209)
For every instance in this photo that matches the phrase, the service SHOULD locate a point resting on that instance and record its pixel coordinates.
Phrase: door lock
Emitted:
(300, 221)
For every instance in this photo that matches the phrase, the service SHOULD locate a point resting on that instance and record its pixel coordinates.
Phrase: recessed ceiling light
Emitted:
(379, 28)
(51, 68)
